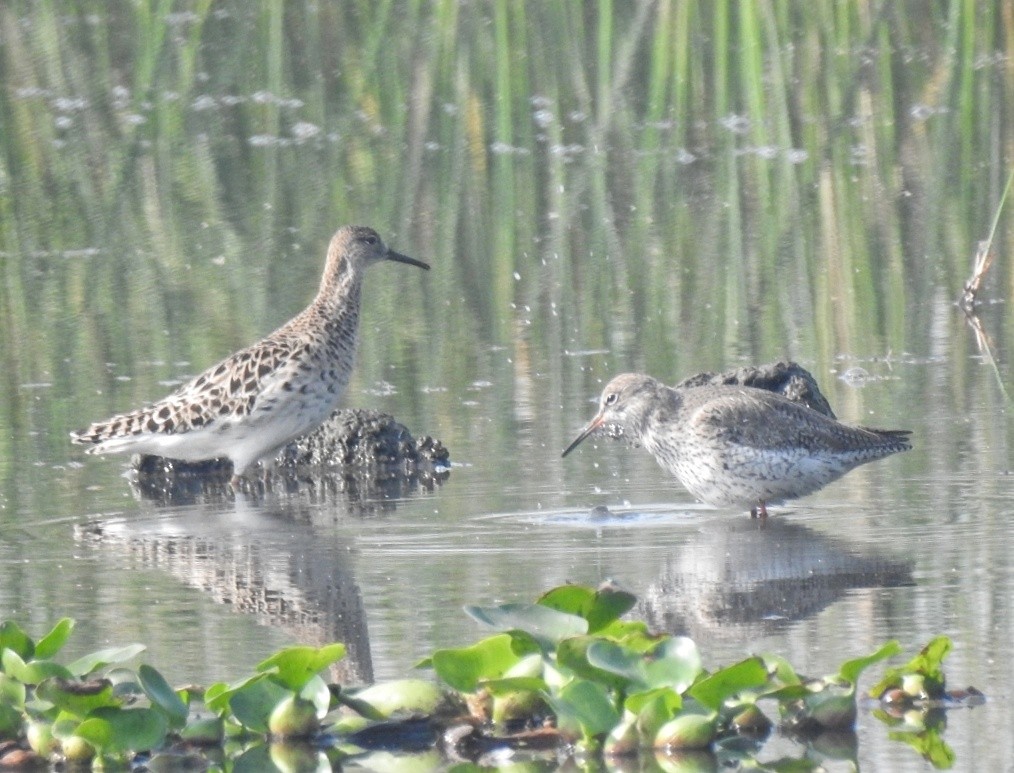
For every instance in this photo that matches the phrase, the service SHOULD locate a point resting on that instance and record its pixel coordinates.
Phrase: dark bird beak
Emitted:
(593, 425)
(397, 257)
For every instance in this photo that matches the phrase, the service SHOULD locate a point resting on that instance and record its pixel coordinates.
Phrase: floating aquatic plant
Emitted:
(567, 672)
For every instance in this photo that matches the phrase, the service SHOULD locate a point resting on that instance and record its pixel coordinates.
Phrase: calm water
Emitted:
(595, 194)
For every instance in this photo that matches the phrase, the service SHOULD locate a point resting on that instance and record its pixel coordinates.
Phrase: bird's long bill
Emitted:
(593, 425)
(399, 258)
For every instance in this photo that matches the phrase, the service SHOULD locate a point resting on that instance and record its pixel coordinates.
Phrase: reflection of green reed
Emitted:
(683, 183)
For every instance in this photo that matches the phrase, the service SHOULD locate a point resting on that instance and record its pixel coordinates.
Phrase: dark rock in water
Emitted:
(362, 437)
(786, 378)
(358, 451)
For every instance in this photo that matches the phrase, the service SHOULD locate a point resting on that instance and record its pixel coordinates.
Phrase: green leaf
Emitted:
(318, 693)
(218, 695)
(253, 703)
(85, 665)
(617, 659)
(669, 698)
(33, 672)
(572, 655)
(584, 706)
(630, 632)
(53, 641)
(12, 692)
(545, 625)
(76, 697)
(674, 662)
(511, 684)
(928, 663)
(599, 608)
(713, 690)
(464, 668)
(162, 695)
(782, 670)
(930, 745)
(851, 669)
(11, 721)
(134, 730)
(298, 665)
(653, 709)
(400, 696)
(96, 731)
(14, 638)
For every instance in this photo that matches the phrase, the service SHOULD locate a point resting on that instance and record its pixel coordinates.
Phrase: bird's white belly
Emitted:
(742, 476)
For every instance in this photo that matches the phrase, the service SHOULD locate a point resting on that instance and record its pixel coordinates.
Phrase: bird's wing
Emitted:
(756, 418)
(228, 388)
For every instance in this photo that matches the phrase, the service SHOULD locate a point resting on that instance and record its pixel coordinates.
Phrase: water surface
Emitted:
(596, 193)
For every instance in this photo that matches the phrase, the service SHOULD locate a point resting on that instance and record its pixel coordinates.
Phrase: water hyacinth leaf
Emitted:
(76, 697)
(572, 599)
(53, 641)
(207, 730)
(85, 665)
(400, 696)
(254, 760)
(675, 662)
(850, 670)
(616, 659)
(253, 703)
(930, 745)
(14, 638)
(623, 740)
(928, 663)
(162, 695)
(547, 626)
(833, 708)
(687, 731)
(515, 684)
(317, 692)
(465, 667)
(630, 631)
(33, 672)
(134, 730)
(653, 709)
(599, 607)
(11, 721)
(295, 666)
(584, 707)
(96, 731)
(713, 690)
(669, 698)
(217, 696)
(572, 654)
(781, 670)
(293, 717)
(12, 691)
(610, 604)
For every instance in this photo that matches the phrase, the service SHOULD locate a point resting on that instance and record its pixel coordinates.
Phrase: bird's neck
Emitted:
(336, 308)
(340, 288)
(652, 423)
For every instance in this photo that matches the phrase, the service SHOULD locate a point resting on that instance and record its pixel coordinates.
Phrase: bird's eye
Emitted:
(611, 398)
(369, 239)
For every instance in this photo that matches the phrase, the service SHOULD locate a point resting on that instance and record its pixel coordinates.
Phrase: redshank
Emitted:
(735, 446)
(248, 406)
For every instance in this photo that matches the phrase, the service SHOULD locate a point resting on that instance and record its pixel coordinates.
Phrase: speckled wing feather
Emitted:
(230, 388)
